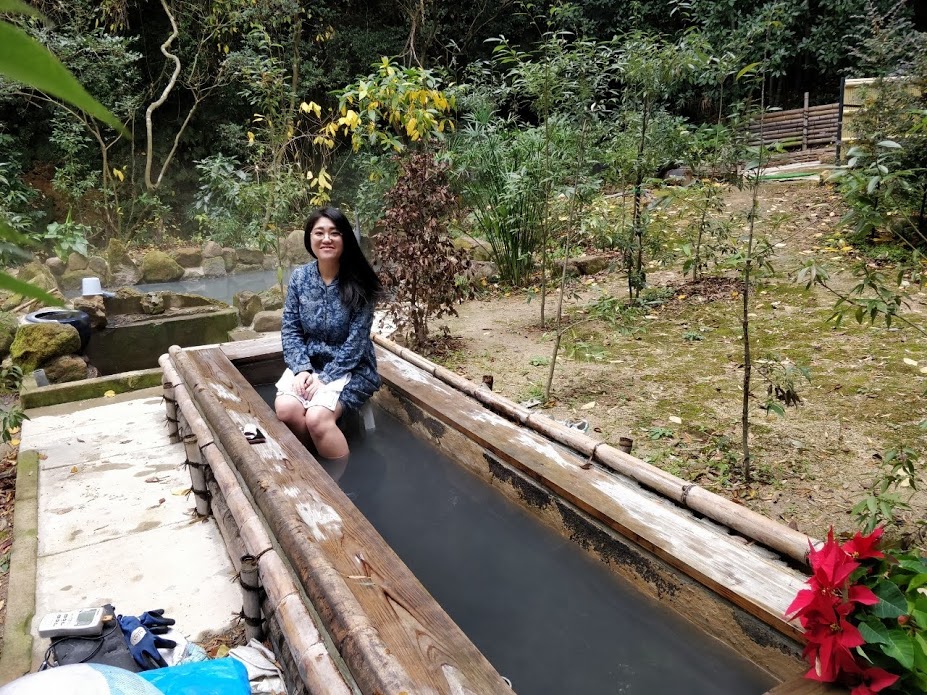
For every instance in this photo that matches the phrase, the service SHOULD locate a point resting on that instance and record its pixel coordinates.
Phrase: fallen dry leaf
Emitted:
(911, 363)
(676, 420)
(73, 469)
(153, 480)
(588, 406)
(109, 394)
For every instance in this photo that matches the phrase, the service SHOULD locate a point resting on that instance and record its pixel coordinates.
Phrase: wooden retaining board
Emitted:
(762, 587)
(433, 654)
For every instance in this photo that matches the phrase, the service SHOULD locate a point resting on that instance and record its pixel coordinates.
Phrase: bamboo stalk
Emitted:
(197, 473)
(170, 406)
(250, 583)
(370, 661)
(754, 526)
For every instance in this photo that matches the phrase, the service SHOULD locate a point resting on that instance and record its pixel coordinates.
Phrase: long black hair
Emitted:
(358, 283)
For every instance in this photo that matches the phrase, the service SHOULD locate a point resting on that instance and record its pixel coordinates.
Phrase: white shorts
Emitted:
(326, 396)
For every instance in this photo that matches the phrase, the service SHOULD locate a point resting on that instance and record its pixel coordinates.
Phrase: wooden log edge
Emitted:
(371, 662)
(315, 665)
(751, 524)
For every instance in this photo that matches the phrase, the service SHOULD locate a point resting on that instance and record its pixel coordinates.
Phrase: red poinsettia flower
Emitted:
(862, 547)
(830, 639)
(859, 593)
(831, 564)
(873, 681)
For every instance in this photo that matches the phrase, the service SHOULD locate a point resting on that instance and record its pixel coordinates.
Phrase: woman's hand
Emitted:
(301, 384)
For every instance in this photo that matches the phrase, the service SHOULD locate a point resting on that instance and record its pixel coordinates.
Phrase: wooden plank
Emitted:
(266, 346)
(803, 686)
(390, 631)
(759, 586)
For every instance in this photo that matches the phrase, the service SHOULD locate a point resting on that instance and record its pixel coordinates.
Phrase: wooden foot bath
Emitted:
(346, 614)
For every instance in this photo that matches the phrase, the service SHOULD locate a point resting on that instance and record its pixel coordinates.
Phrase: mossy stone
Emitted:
(38, 343)
(8, 325)
(157, 266)
(117, 254)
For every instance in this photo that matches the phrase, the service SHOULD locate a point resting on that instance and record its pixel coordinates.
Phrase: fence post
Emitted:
(840, 105)
(804, 125)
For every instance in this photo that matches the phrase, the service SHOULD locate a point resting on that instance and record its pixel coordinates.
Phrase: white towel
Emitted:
(326, 396)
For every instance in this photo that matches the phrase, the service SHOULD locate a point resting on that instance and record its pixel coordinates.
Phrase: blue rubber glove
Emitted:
(155, 621)
(142, 644)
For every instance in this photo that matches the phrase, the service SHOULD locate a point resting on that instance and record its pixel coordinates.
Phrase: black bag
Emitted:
(109, 648)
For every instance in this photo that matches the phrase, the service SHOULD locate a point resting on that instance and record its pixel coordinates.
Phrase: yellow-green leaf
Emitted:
(8, 282)
(17, 7)
(25, 60)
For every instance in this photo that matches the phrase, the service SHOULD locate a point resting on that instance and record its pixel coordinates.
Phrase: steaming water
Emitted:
(544, 613)
(221, 288)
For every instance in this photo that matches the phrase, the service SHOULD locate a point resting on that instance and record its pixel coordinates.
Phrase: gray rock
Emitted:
(480, 270)
(250, 256)
(214, 266)
(589, 265)
(125, 274)
(243, 334)
(248, 305)
(100, 268)
(77, 261)
(56, 265)
(270, 262)
(211, 250)
(95, 307)
(268, 321)
(230, 256)
(248, 268)
(188, 256)
(192, 273)
(271, 298)
(296, 252)
(65, 368)
(154, 303)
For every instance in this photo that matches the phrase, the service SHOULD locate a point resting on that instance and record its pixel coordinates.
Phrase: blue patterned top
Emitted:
(322, 335)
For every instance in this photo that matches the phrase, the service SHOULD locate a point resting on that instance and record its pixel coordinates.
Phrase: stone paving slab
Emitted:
(104, 533)
(101, 500)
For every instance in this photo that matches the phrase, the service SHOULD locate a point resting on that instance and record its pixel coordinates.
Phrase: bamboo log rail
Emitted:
(745, 521)
(244, 534)
(311, 520)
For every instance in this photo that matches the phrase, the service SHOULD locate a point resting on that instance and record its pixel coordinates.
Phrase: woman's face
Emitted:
(326, 240)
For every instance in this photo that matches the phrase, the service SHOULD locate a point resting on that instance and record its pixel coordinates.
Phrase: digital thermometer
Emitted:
(85, 622)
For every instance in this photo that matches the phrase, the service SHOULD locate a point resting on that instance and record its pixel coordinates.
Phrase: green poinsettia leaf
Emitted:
(920, 652)
(900, 648)
(916, 565)
(920, 617)
(25, 60)
(892, 602)
(874, 631)
(917, 580)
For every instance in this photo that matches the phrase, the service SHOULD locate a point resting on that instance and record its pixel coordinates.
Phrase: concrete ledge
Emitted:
(37, 397)
(16, 659)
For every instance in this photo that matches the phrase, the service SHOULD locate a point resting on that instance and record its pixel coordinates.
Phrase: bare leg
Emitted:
(292, 413)
(328, 439)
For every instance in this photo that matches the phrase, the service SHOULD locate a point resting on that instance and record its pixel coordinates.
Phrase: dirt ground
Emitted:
(671, 377)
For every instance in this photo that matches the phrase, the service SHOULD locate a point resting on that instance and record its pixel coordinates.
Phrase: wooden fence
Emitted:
(808, 127)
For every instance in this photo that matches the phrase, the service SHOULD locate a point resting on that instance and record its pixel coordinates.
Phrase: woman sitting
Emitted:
(331, 365)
